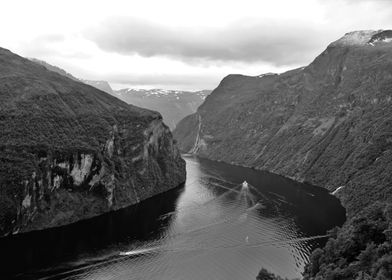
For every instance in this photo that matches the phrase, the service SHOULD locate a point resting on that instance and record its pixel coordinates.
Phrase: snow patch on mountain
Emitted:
(381, 37)
(161, 93)
(266, 74)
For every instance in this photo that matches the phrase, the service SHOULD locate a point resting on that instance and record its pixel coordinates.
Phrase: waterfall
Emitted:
(195, 147)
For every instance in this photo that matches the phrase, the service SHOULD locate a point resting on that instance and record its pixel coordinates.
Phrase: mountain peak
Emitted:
(357, 38)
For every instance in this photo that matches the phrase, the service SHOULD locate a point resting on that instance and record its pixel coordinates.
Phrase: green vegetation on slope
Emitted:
(362, 249)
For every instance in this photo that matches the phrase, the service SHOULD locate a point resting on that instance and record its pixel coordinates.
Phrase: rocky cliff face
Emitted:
(70, 152)
(329, 123)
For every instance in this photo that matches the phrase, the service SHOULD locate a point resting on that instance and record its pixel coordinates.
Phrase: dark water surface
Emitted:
(211, 228)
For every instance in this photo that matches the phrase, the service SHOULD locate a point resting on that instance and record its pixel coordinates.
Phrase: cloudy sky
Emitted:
(181, 44)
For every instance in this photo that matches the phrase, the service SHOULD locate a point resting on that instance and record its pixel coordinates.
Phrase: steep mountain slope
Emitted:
(69, 151)
(174, 105)
(329, 123)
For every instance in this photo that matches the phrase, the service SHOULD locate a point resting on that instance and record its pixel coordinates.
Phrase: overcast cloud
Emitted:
(262, 41)
(181, 44)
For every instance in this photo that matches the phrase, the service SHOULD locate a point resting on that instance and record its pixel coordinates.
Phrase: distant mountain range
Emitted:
(174, 105)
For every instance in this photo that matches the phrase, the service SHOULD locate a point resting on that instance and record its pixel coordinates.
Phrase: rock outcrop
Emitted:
(69, 151)
(329, 123)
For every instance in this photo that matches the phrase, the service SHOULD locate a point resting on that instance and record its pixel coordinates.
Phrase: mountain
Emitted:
(329, 123)
(69, 151)
(174, 105)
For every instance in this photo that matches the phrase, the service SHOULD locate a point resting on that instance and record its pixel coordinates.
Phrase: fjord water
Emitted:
(213, 227)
